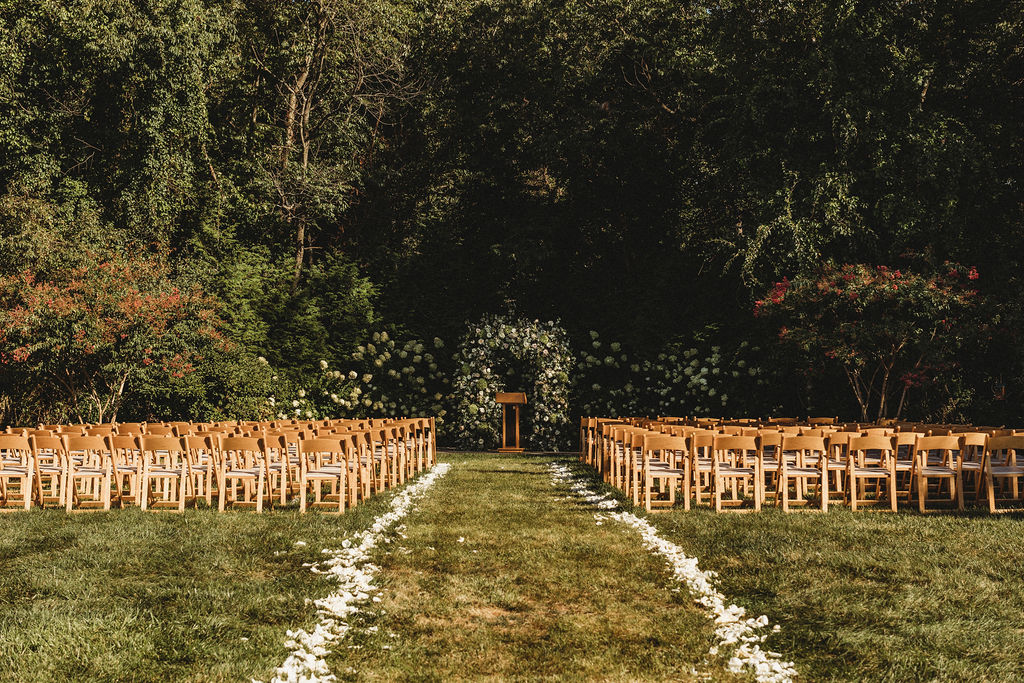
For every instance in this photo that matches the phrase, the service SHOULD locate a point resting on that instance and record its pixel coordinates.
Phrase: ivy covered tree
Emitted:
(889, 330)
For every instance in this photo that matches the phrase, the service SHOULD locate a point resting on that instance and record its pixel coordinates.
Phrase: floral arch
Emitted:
(502, 353)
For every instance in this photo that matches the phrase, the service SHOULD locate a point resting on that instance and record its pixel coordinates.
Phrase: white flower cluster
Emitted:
(733, 628)
(351, 568)
(679, 381)
(384, 378)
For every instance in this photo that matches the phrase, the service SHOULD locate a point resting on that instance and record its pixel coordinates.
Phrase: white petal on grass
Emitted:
(733, 628)
(351, 568)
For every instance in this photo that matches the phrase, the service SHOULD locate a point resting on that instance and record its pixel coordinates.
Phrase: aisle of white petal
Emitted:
(351, 568)
(737, 635)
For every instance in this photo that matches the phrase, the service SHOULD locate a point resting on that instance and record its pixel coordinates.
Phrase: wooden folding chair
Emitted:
(803, 460)
(90, 462)
(203, 464)
(736, 464)
(127, 466)
(280, 465)
(130, 428)
(16, 466)
(769, 444)
(50, 469)
(698, 445)
(164, 472)
(161, 430)
(1003, 464)
(904, 463)
(319, 464)
(661, 457)
(243, 472)
(972, 462)
(935, 460)
(863, 465)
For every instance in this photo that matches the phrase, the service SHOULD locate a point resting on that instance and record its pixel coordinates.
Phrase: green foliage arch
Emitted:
(504, 353)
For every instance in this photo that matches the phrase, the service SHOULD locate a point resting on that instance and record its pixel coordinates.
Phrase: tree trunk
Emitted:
(300, 250)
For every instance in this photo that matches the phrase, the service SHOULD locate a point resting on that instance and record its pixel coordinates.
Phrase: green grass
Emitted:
(128, 595)
(873, 595)
(536, 590)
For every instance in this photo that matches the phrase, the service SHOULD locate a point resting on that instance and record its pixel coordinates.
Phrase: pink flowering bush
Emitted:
(889, 330)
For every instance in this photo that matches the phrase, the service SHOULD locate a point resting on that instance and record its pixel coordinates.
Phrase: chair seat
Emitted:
(870, 472)
(88, 472)
(935, 471)
(728, 470)
(1006, 471)
(323, 474)
(803, 472)
(254, 473)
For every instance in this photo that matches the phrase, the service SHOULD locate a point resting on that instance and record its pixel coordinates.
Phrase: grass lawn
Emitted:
(128, 595)
(873, 595)
(534, 590)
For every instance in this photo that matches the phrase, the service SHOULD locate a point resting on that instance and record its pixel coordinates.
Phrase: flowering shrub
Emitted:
(387, 378)
(512, 354)
(91, 332)
(381, 378)
(889, 330)
(697, 377)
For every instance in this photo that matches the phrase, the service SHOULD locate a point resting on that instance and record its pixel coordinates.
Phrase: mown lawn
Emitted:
(502, 576)
(127, 595)
(873, 595)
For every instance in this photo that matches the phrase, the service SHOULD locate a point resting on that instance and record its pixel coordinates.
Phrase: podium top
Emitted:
(515, 397)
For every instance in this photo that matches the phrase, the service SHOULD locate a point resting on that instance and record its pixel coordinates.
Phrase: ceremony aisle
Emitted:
(505, 575)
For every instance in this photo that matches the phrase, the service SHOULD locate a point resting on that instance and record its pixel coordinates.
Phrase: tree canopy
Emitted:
(329, 169)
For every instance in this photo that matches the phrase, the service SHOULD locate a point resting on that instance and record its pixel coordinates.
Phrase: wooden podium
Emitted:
(510, 402)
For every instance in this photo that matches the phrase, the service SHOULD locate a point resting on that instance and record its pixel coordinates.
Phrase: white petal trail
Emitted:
(351, 568)
(733, 628)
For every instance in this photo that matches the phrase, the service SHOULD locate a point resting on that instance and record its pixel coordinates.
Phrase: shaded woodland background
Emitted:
(328, 169)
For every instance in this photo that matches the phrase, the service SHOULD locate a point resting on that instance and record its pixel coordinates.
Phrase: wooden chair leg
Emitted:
(686, 485)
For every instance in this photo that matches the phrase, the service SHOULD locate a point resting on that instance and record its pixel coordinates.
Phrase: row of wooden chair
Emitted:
(333, 464)
(736, 467)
